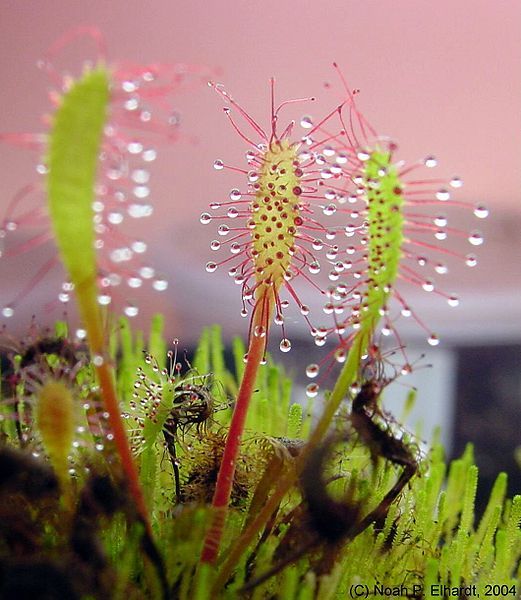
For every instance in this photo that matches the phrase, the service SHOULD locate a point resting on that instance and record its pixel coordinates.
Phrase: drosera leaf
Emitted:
(73, 151)
(72, 157)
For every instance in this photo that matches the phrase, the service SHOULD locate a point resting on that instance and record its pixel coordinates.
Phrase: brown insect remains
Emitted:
(193, 405)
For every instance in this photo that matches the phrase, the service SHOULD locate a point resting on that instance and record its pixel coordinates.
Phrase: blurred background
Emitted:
(439, 78)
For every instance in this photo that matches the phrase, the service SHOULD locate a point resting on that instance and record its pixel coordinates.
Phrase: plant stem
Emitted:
(223, 487)
(91, 317)
(346, 378)
(108, 390)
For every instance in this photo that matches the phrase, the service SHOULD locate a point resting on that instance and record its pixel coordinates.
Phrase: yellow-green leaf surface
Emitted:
(74, 146)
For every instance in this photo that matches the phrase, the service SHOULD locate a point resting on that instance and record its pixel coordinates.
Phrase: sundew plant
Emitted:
(130, 469)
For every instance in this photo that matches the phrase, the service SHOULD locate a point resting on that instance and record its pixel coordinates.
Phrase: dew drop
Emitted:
(314, 268)
(456, 182)
(121, 255)
(7, 312)
(139, 211)
(211, 267)
(232, 212)
(430, 162)
(244, 313)
(428, 286)
(134, 282)
(259, 331)
(131, 310)
(97, 360)
(141, 191)
(235, 194)
(139, 247)
(140, 176)
(149, 155)
(135, 147)
(306, 122)
(440, 221)
(453, 301)
(329, 151)
(104, 299)
(476, 238)
(63, 297)
(471, 260)
(312, 370)
(205, 218)
(481, 211)
(340, 355)
(285, 345)
(443, 195)
(146, 272)
(223, 230)
(433, 340)
(131, 104)
(312, 390)
(332, 253)
(441, 269)
(160, 285)
(328, 308)
(304, 309)
(215, 245)
(329, 209)
(81, 334)
(363, 155)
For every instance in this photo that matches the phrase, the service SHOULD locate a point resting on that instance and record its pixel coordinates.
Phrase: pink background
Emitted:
(440, 78)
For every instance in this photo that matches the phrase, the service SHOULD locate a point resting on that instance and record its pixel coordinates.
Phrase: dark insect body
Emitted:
(193, 405)
(381, 442)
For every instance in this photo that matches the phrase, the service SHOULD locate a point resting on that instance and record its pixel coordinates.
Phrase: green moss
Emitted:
(429, 535)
